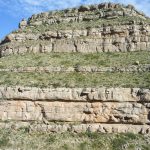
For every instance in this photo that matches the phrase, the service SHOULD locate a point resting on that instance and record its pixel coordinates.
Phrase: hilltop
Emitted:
(105, 27)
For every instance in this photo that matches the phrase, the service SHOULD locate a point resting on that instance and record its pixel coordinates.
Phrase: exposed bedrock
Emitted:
(82, 69)
(75, 94)
(78, 128)
(104, 39)
(105, 27)
(82, 112)
(98, 28)
(90, 105)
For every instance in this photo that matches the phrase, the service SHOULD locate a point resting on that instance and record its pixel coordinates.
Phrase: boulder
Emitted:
(23, 24)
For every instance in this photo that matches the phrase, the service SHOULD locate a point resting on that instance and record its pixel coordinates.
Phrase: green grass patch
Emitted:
(73, 59)
(76, 79)
(22, 139)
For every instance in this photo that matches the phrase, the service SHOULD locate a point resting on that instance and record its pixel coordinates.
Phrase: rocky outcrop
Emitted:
(86, 29)
(82, 112)
(99, 28)
(75, 94)
(78, 128)
(90, 105)
(86, 13)
(89, 69)
(23, 24)
(103, 39)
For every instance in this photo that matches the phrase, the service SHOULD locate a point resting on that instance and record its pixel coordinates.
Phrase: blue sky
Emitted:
(12, 11)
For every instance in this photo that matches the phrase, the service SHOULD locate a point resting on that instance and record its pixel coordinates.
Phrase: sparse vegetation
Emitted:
(22, 139)
(83, 24)
(73, 59)
(76, 79)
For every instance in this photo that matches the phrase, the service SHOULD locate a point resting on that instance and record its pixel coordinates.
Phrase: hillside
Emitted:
(79, 72)
(105, 27)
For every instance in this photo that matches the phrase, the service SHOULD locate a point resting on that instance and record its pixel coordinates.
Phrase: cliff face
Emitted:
(94, 109)
(88, 29)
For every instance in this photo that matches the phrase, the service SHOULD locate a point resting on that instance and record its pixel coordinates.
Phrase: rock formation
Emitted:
(82, 69)
(88, 29)
(105, 27)
(91, 106)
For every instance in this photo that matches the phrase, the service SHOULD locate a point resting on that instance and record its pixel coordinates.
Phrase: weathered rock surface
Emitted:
(90, 69)
(114, 105)
(38, 35)
(78, 128)
(82, 112)
(23, 24)
(75, 94)
(104, 10)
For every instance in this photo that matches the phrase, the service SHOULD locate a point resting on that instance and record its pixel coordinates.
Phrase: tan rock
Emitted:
(23, 24)
(64, 46)
(74, 112)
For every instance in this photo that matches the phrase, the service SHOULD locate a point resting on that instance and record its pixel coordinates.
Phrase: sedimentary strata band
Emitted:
(78, 105)
(81, 112)
(78, 128)
(75, 94)
(89, 69)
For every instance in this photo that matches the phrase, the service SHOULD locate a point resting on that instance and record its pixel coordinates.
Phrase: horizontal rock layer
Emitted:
(90, 69)
(82, 112)
(78, 128)
(106, 39)
(83, 13)
(75, 94)
(87, 29)
(77, 105)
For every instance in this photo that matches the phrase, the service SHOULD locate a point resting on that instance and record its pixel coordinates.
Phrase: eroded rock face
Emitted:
(105, 110)
(90, 105)
(97, 112)
(104, 39)
(23, 24)
(39, 34)
(78, 128)
(75, 94)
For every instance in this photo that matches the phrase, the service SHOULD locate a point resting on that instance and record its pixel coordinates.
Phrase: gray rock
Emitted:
(23, 24)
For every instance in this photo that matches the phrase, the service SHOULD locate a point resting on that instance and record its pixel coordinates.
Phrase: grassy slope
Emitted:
(76, 79)
(73, 59)
(23, 140)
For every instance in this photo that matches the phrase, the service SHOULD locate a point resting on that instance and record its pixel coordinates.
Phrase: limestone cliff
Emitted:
(105, 27)
(94, 109)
